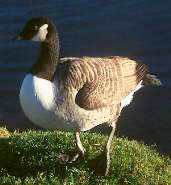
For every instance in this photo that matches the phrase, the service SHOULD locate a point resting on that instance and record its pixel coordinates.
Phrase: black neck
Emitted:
(47, 62)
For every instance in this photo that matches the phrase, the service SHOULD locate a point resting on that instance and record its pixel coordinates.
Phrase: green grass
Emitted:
(31, 158)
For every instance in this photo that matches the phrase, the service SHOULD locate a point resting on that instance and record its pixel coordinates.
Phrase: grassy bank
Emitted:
(31, 158)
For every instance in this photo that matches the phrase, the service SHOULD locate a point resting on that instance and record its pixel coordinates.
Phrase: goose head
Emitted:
(39, 29)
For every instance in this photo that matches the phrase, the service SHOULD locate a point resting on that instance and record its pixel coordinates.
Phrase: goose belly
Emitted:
(40, 101)
(79, 119)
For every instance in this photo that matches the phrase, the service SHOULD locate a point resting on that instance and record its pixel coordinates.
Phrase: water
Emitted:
(139, 29)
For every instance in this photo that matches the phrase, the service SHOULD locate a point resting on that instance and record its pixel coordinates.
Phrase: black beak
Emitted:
(18, 38)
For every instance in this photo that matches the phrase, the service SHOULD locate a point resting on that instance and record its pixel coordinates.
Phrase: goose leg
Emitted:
(81, 151)
(79, 144)
(77, 158)
(101, 164)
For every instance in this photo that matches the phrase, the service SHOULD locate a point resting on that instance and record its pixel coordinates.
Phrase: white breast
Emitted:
(37, 99)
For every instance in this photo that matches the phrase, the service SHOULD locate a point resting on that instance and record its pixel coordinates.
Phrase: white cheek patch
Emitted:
(41, 34)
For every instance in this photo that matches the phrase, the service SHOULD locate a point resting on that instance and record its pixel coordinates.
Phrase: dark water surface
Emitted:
(139, 29)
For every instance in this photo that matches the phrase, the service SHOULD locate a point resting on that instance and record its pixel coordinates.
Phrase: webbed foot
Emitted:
(77, 158)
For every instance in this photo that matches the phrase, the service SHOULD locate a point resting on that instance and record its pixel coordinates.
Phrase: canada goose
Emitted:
(77, 94)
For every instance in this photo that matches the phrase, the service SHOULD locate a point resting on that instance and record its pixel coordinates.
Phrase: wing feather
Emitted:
(104, 81)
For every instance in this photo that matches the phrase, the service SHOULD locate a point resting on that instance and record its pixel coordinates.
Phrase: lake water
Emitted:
(139, 29)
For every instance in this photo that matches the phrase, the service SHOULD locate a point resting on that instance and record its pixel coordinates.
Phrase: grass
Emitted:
(31, 158)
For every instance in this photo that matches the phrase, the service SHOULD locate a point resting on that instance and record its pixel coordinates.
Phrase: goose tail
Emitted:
(151, 80)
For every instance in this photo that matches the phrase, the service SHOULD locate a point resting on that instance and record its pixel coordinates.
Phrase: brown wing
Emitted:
(104, 81)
